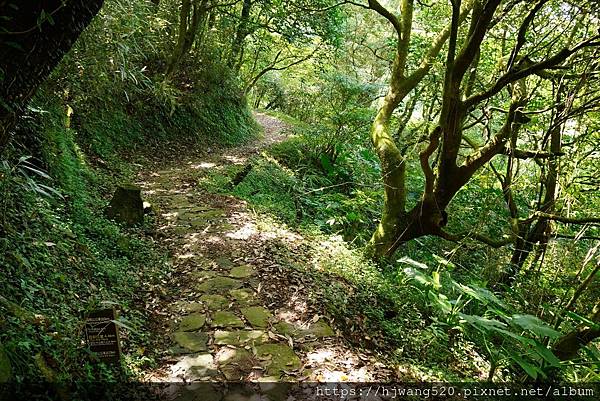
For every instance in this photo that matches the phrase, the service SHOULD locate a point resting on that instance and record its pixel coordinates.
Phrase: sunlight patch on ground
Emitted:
(235, 159)
(245, 232)
(203, 165)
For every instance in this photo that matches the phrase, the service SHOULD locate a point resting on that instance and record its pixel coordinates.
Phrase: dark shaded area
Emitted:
(34, 37)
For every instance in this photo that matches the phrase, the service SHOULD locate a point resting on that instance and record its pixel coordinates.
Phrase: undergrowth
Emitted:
(61, 256)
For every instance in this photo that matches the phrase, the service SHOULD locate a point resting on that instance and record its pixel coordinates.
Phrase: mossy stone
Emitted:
(226, 319)
(224, 262)
(282, 358)
(191, 307)
(192, 322)
(195, 367)
(242, 271)
(320, 329)
(240, 337)
(235, 363)
(214, 301)
(287, 329)
(244, 297)
(257, 316)
(193, 342)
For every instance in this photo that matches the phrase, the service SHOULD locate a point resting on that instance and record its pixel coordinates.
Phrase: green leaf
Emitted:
(326, 163)
(125, 326)
(480, 322)
(419, 277)
(440, 302)
(521, 339)
(479, 293)
(407, 260)
(530, 369)
(535, 325)
(582, 319)
(547, 355)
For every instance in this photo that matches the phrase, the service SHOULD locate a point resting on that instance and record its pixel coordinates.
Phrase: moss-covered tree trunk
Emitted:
(34, 37)
(191, 16)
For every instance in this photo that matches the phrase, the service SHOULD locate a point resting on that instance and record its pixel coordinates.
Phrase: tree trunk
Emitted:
(567, 347)
(192, 13)
(29, 50)
(238, 40)
(529, 236)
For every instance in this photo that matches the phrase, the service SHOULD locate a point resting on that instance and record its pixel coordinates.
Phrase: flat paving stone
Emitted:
(219, 284)
(186, 307)
(242, 271)
(244, 297)
(224, 262)
(235, 363)
(195, 367)
(240, 337)
(192, 322)
(226, 319)
(214, 301)
(318, 329)
(193, 342)
(279, 357)
(257, 316)
(203, 275)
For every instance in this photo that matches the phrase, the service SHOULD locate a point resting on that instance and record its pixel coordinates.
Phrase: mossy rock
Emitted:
(288, 329)
(224, 262)
(214, 301)
(219, 285)
(193, 342)
(242, 271)
(192, 322)
(318, 329)
(127, 206)
(188, 307)
(226, 319)
(280, 358)
(203, 275)
(240, 337)
(257, 316)
(244, 297)
(235, 363)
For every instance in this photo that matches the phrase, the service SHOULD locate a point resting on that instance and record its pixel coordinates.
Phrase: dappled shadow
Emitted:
(234, 307)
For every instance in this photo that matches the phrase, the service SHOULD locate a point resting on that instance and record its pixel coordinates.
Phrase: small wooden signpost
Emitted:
(102, 335)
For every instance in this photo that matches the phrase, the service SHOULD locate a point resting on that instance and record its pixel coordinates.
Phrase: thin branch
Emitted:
(387, 14)
(567, 220)
(525, 68)
(494, 243)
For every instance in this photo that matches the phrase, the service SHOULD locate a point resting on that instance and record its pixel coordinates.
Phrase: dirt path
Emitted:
(231, 311)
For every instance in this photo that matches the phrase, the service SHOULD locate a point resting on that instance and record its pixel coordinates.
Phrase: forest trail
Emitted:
(231, 311)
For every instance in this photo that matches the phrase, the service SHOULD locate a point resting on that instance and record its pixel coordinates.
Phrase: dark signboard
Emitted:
(102, 335)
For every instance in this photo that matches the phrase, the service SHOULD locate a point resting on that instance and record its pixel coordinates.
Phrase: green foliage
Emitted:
(507, 337)
(62, 257)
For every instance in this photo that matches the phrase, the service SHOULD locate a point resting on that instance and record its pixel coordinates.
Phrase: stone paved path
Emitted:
(223, 321)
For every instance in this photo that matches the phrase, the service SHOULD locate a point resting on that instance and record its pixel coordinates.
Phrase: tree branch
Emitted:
(385, 13)
(478, 237)
(525, 68)
(566, 220)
